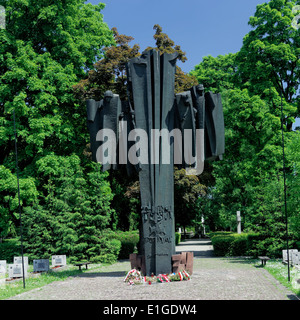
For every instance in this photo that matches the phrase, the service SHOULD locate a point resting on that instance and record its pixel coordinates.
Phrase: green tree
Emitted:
(252, 81)
(187, 192)
(73, 212)
(43, 52)
(270, 55)
(9, 209)
(41, 58)
(164, 44)
(108, 73)
(71, 31)
(252, 150)
(293, 184)
(217, 74)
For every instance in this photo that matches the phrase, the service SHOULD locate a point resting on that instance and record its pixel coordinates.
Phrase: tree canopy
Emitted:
(254, 83)
(45, 49)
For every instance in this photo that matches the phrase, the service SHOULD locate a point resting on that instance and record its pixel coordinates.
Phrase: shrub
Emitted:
(129, 241)
(177, 238)
(109, 251)
(233, 244)
(219, 233)
(222, 244)
(239, 246)
(254, 244)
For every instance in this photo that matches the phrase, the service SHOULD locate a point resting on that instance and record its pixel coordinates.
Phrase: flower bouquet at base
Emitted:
(134, 276)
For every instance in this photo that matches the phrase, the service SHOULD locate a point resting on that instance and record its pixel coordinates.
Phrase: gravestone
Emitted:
(293, 254)
(16, 270)
(59, 260)
(18, 260)
(295, 259)
(183, 129)
(2, 272)
(41, 265)
(3, 265)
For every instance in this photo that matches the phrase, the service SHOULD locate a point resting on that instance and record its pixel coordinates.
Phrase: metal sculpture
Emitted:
(151, 132)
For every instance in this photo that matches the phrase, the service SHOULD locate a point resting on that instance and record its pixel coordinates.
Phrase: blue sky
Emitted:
(200, 27)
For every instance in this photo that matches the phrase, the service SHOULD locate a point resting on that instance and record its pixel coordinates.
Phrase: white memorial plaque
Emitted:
(18, 260)
(16, 271)
(2, 266)
(59, 260)
(295, 258)
(41, 265)
(285, 257)
(2, 271)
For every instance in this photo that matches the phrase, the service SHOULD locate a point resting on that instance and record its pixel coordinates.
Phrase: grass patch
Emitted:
(280, 272)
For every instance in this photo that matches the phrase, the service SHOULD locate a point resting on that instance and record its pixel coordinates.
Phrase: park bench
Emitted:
(82, 264)
(264, 259)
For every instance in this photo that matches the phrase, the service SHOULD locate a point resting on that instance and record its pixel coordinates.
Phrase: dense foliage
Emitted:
(44, 50)
(254, 83)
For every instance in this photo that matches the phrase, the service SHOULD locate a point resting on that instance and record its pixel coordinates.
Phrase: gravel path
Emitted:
(213, 279)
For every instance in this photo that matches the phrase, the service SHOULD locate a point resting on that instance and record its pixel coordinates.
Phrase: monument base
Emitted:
(182, 261)
(137, 262)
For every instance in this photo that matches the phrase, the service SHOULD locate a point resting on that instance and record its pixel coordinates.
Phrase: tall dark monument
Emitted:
(147, 133)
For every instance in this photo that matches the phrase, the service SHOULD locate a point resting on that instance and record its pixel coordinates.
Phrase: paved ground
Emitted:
(213, 279)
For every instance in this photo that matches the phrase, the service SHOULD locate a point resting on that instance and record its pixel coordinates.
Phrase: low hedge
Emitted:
(129, 241)
(222, 244)
(177, 238)
(233, 244)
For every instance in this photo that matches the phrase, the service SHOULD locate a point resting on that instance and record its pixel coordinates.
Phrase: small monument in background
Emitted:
(59, 261)
(41, 265)
(239, 222)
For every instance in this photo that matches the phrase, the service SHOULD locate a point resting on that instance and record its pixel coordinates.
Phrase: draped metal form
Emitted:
(158, 129)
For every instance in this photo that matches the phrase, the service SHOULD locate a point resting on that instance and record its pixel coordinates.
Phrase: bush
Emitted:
(177, 238)
(108, 250)
(221, 244)
(239, 246)
(233, 244)
(129, 241)
(254, 244)
(219, 233)
(10, 248)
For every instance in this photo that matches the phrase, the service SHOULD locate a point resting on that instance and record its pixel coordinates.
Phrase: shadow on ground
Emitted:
(102, 274)
(203, 253)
